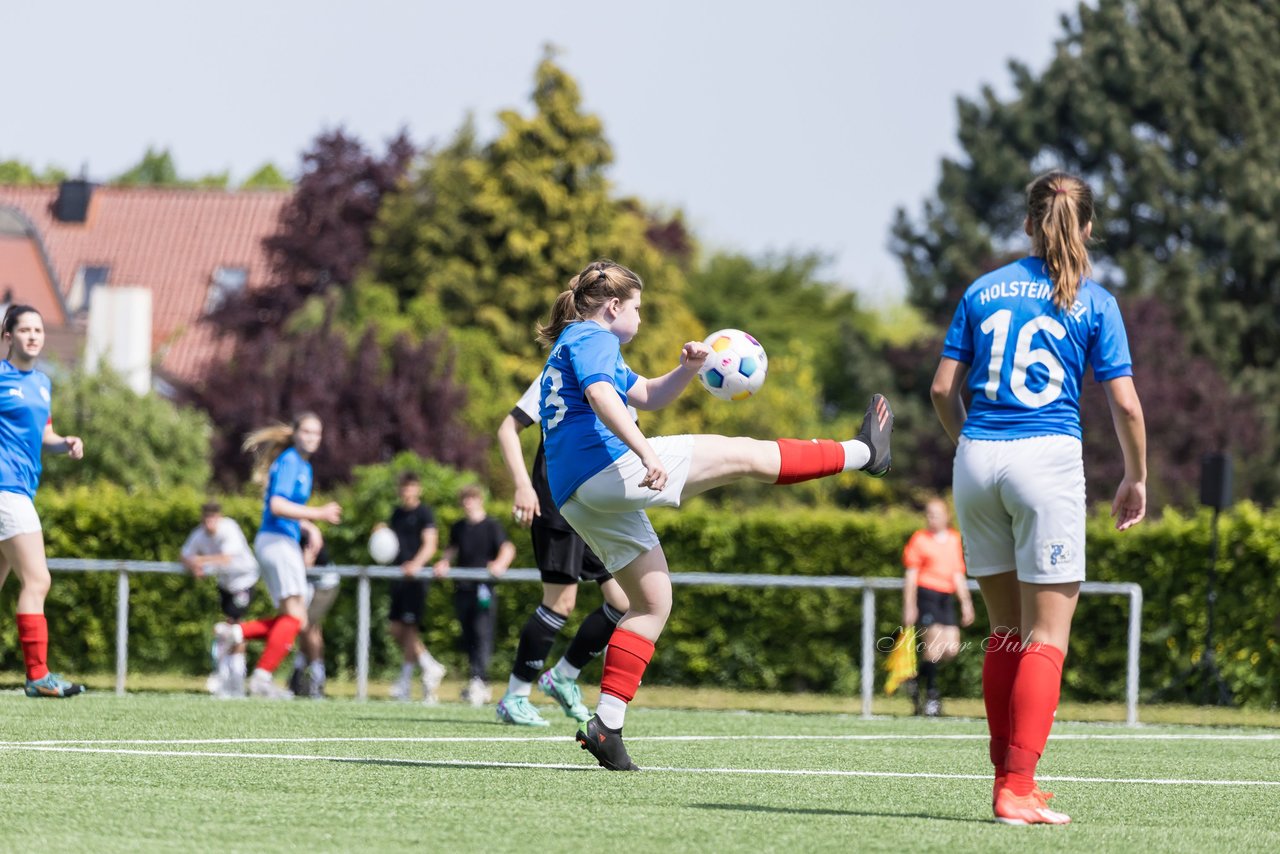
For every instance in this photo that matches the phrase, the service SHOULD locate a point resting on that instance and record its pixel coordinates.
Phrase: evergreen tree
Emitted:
(1168, 108)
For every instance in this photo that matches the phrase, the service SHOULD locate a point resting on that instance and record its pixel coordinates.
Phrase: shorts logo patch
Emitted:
(1058, 553)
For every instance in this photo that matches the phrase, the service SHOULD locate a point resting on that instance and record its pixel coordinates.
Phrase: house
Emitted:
(190, 248)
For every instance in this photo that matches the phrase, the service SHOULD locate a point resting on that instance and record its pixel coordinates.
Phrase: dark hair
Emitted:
(408, 477)
(1059, 206)
(210, 508)
(15, 311)
(598, 283)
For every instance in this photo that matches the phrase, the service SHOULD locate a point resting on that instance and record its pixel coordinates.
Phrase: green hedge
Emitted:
(747, 638)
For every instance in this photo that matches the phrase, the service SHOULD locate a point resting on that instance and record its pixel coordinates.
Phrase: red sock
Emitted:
(625, 659)
(1031, 706)
(33, 634)
(257, 628)
(808, 460)
(283, 630)
(999, 666)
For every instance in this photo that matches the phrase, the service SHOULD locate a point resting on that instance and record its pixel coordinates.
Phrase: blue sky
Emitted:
(773, 126)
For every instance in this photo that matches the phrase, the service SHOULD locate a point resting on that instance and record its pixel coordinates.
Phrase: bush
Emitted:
(740, 637)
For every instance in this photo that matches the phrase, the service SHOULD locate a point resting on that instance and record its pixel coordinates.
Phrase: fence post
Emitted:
(362, 635)
(1135, 650)
(122, 629)
(868, 648)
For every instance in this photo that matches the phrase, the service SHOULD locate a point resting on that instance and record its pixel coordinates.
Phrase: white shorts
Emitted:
(17, 516)
(283, 568)
(1021, 506)
(607, 510)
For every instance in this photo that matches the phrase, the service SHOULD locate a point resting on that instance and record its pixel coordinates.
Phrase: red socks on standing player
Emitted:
(33, 635)
(1032, 704)
(625, 660)
(999, 667)
(808, 460)
(284, 629)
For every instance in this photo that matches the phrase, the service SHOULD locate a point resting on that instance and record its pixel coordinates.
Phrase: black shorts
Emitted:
(408, 601)
(235, 605)
(936, 608)
(563, 558)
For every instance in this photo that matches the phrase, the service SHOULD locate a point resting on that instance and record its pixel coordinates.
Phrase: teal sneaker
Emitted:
(53, 685)
(565, 692)
(517, 710)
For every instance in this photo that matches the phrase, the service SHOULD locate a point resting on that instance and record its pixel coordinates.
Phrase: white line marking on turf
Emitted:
(563, 766)
(500, 739)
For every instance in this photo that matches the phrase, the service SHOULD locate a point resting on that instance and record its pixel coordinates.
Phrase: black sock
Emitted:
(536, 639)
(929, 672)
(593, 636)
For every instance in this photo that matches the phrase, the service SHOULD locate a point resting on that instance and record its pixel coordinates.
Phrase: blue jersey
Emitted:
(577, 443)
(1027, 357)
(290, 478)
(25, 403)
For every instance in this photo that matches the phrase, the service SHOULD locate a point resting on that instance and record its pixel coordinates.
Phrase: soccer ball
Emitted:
(737, 365)
(384, 545)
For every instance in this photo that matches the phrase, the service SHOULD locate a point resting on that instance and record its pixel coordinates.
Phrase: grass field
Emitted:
(165, 771)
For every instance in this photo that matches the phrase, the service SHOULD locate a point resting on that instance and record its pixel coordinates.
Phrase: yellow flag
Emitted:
(901, 663)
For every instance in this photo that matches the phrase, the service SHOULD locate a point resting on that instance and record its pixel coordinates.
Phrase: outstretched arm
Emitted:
(650, 394)
(1130, 503)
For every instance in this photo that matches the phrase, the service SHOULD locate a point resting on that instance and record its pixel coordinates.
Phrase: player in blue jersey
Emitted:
(282, 456)
(603, 472)
(1021, 340)
(26, 430)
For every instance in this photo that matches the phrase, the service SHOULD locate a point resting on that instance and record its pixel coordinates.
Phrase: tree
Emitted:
(1168, 109)
(268, 177)
(17, 173)
(157, 169)
(135, 441)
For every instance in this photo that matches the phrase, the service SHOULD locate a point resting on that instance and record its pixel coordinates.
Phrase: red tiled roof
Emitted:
(168, 240)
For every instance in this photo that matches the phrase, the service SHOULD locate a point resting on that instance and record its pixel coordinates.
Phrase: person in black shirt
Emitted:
(564, 560)
(476, 540)
(414, 525)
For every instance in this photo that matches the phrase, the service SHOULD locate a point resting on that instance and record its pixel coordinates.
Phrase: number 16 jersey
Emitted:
(1027, 358)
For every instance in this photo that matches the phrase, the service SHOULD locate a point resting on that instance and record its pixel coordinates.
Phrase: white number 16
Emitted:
(1023, 358)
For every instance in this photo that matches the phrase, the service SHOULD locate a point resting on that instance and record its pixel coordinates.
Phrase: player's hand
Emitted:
(495, 570)
(75, 447)
(966, 613)
(909, 616)
(693, 355)
(655, 473)
(525, 506)
(1130, 504)
(331, 513)
(440, 569)
(411, 568)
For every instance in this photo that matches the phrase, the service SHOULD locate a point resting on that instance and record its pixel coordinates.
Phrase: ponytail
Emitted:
(1059, 208)
(588, 291)
(267, 443)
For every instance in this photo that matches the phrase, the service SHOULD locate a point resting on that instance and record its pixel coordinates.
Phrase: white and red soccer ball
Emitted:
(736, 368)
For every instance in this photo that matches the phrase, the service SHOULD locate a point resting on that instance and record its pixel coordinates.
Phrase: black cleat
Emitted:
(877, 426)
(605, 745)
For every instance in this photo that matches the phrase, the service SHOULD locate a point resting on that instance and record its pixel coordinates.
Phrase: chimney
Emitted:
(72, 204)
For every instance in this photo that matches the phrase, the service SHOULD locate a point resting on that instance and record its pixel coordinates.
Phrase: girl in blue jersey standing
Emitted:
(26, 430)
(1021, 340)
(282, 456)
(603, 472)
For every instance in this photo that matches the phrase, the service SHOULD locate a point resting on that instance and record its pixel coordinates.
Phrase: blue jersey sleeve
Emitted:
(958, 344)
(284, 474)
(594, 358)
(1109, 356)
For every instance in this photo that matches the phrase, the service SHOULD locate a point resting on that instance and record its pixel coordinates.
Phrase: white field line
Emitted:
(561, 766)
(515, 739)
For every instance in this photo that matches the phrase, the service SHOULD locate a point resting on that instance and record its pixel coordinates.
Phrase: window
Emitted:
(87, 278)
(225, 283)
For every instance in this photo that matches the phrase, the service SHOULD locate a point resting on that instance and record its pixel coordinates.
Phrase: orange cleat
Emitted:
(1027, 809)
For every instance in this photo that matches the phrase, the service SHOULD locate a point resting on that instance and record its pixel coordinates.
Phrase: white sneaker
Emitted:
(401, 691)
(215, 684)
(262, 686)
(432, 676)
(477, 693)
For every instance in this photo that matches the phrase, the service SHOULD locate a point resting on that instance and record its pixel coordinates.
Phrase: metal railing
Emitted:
(364, 574)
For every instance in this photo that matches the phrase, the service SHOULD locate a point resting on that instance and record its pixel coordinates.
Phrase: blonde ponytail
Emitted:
(267, 443)
(1059, 208)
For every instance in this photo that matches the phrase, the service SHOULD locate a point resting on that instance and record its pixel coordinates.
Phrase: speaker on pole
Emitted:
(1215, 481)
